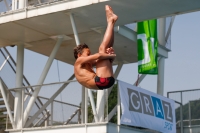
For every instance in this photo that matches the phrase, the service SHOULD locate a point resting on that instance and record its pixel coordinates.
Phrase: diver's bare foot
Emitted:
(111, 17)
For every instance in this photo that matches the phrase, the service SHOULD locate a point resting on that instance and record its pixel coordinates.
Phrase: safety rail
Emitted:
(7, 75)
(187, 107)
(58, 112)
(12, 64)
(79, 106)
(10, 6)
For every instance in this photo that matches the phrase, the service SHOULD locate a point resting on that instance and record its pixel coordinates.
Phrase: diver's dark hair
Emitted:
(79, 49)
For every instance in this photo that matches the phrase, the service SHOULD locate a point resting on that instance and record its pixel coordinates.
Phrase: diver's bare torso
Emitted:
(85, 75)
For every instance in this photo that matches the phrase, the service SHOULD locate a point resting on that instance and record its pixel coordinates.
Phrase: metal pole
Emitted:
(86, 105)
(21, 4)
(189, 114)
(190, 129)
(181, 114)
(19, 83)
(16, 4)
(13, 4)
(22, 110)
(111, 114)
(162, 31)
(74, 29)
(83, 105)
(42, 78)
(93, 105)
(140, 79)
(4, 62)
(117, 71)
(160, 77)
(170, 28)
(100, 104)
(118, 109)
(6, 103)
(161, 62)
(52, 113)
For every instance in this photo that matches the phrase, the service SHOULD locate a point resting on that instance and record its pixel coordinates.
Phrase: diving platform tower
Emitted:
(53, 28)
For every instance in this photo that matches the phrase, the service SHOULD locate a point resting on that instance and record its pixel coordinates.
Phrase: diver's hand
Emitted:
(110, 50)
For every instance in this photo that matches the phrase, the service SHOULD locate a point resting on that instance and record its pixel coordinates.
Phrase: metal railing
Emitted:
(57, 112)
(11, 65)
(187, 108)
(14, 5)
(8, 74)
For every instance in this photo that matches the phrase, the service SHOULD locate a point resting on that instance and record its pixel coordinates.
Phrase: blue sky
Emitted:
(181, 67)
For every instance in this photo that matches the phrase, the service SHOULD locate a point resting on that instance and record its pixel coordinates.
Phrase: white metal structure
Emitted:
(35, 25)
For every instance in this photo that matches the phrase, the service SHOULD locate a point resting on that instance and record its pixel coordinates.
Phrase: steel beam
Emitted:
(141, 77)
(111, 114)
(4, 62)
(126, 32)
(117, 71)
(2, 89)
(42, 78)
(48, 102)
(170, 28)
(74, 29)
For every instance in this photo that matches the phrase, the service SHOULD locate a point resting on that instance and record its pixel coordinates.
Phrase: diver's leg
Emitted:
(104, 67)
(109, 34)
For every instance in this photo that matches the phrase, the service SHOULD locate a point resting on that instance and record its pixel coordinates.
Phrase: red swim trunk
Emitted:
(104, 83)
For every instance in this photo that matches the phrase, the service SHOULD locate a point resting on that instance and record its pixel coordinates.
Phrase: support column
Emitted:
(5, 98)
(162, 31)
(118, 109)
(84, 90)
(161, 62)
(83, 106)
(93, 105)
(19, 82)
(160, 80)
(42, 78)
(13, 4)
(74, 29)
(52, 113)
(100, 104)
(189, 114)
(21, 4)
(86, 105)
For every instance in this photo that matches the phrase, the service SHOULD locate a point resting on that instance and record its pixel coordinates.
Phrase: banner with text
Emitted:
(147, 47)
(146, 109)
